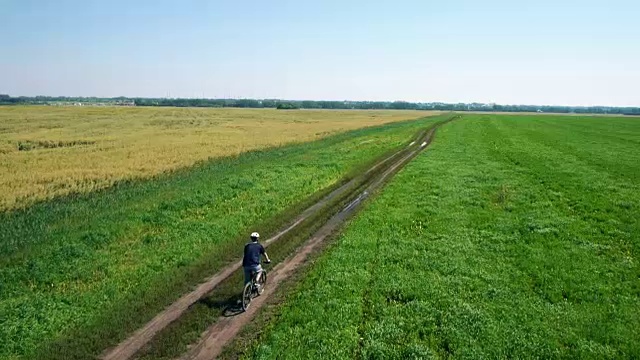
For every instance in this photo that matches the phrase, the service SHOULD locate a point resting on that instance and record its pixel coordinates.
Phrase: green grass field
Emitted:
(511, 237)
(79, 273)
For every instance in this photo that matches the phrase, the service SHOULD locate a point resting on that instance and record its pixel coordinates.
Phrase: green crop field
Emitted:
(511, 237)
(79, 273)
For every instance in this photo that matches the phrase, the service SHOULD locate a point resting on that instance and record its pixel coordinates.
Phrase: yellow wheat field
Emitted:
(50, 151)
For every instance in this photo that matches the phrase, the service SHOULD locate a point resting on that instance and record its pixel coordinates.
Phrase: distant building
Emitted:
(125, 103)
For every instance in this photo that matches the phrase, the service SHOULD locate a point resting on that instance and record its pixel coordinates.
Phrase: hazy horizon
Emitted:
(575, 53)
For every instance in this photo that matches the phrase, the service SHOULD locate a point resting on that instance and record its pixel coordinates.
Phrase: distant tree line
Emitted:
(312, 104)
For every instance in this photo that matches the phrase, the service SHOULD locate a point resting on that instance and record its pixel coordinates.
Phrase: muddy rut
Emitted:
(225, 329)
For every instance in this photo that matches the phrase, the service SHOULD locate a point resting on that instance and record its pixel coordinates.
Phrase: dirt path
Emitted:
(227, 327)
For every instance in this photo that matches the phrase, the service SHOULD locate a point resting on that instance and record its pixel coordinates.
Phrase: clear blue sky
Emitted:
(535, 52)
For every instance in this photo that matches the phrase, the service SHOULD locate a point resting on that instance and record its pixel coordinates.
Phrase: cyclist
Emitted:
(251, 259)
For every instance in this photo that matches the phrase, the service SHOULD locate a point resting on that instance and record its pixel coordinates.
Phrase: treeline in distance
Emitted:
(312, 104)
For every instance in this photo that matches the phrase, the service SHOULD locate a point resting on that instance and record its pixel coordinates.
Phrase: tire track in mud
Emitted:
(221, 332)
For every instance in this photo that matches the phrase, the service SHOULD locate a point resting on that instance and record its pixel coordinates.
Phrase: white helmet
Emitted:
(255, 235)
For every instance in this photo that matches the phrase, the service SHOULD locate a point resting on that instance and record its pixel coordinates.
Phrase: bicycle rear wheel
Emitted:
(246, 297)
(263, 280)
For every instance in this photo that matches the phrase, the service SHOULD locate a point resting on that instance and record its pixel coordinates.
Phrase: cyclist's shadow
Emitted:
(230, 306)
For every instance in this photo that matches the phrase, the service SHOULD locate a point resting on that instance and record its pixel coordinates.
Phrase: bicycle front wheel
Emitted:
(246, 297)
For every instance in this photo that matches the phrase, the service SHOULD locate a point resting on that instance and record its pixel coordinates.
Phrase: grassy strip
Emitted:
(498, 243)
(174, 340)
(79, 273)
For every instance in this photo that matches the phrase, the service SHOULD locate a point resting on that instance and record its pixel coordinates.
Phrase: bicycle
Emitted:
(253, 288)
